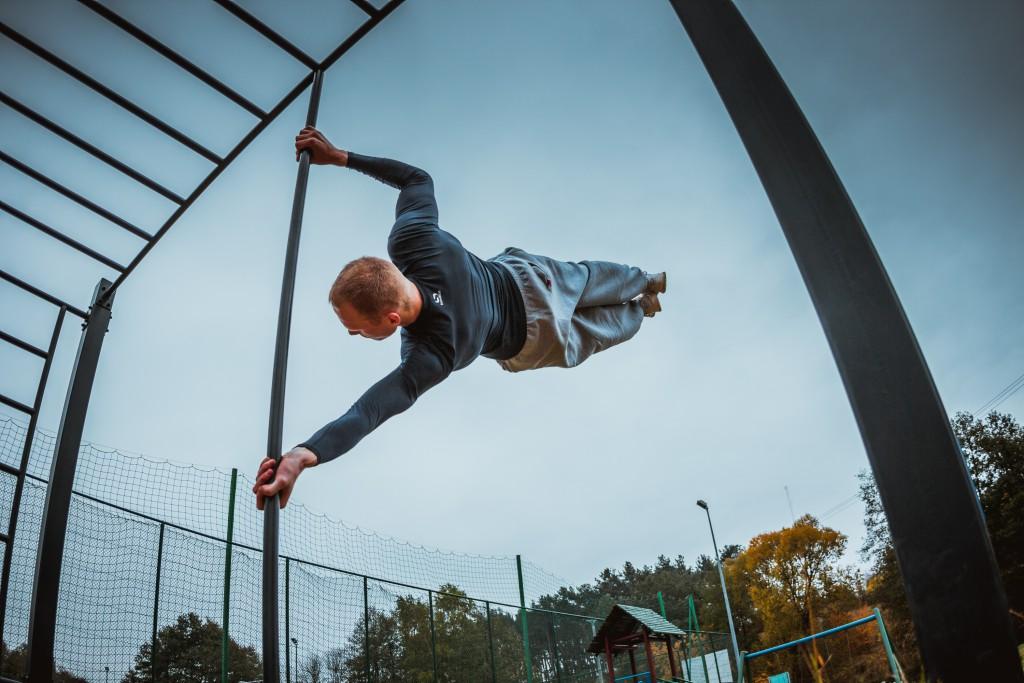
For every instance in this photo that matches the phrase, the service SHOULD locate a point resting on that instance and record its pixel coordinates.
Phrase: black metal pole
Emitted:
(19, 486)
(271, 645)
(287, 619)
(490, 644)
(945, 555)
(366, 626)
(153, 648)
(50, 554)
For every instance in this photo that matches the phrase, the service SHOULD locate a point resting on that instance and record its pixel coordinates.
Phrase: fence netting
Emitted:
(144, 589)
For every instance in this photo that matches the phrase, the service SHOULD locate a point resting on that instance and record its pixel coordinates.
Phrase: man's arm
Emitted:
(416, 199)
(394, 394)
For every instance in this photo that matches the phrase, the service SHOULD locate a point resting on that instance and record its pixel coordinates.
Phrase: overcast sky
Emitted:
(580, 130)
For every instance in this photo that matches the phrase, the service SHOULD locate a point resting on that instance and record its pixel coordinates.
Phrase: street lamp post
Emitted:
(721, 577)
(295, 647)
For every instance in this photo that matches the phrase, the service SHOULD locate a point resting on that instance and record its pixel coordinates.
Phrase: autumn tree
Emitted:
(795, 580)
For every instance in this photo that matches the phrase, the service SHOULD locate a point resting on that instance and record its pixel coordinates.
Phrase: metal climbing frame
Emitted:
(42, 620)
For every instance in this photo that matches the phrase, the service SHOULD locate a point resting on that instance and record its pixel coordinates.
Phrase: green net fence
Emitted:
(143, 588)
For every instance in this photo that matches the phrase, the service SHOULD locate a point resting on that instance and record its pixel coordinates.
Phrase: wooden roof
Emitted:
(625, 624)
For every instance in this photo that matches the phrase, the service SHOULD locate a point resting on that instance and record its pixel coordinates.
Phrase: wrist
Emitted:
(304, 456)
(339, 157)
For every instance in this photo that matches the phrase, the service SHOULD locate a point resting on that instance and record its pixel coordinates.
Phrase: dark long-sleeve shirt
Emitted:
(471, 307)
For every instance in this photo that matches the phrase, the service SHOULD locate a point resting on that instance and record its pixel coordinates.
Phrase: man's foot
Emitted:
(657, 283)
(650, 304)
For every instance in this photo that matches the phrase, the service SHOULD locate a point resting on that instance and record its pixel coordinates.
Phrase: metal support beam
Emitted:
(22, 468)
(50, 554)
(945, 555)
(267, 32)
(166, 52)
(74, 196)
(271, 645)
(58, 235)
(45, 296)
(117, 99)
(90, 148)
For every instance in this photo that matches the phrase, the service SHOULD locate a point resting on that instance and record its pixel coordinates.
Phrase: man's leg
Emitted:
(611, 283)
(601, 327)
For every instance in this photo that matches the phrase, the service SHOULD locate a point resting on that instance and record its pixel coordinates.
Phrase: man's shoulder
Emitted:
(427, 353)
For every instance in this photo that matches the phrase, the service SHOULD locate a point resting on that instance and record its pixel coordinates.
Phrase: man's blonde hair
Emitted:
(369, 285)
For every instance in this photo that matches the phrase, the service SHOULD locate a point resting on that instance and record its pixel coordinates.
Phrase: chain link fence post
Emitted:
(225, 639)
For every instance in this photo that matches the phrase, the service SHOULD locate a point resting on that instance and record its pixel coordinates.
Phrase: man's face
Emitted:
(358, 324)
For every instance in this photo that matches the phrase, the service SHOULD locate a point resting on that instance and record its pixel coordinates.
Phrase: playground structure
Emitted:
(951, 580)
(625, 628)
(874, 618)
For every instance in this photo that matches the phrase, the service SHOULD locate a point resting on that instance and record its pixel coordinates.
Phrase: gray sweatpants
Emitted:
(573, 310)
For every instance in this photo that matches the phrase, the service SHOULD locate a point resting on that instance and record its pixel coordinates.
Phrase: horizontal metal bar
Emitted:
(358, 34)
(268, 32)
(91, 149)
(250, 136)
(9, 469)
(173, 56)
(119, 100)
(365, 6)
(829, 632)
(56, 234)
(22, 344)
(45, 296)
(17, 405)
(74, 196)
(256, 130)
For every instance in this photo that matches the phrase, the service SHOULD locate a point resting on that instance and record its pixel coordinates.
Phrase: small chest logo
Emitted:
(437, 298)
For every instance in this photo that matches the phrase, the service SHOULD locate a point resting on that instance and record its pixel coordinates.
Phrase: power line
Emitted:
(997, 400)
(841, 506)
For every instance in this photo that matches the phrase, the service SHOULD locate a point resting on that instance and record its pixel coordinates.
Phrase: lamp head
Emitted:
(702, 504)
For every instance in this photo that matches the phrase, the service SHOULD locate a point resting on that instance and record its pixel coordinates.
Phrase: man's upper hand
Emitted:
(321, 151)
(283, 474)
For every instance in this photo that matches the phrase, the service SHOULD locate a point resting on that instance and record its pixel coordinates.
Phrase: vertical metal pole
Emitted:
(366, 625)
(271, 635)
(19, 486)
(889, 654)
(156, 603)
(50, 555)
(670, 646)
(490, 644)
(740, 678)
(700, 637)
(661, 604)
(433, 636)
(725, 593)
(522, 618)
(225, 639)
(287, 619)
(944, 552)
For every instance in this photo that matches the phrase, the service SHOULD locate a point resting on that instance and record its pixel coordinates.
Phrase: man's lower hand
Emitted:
(278, 477)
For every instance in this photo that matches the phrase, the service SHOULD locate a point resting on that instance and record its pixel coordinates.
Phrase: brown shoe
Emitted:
(650, 304)
(657, 283)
